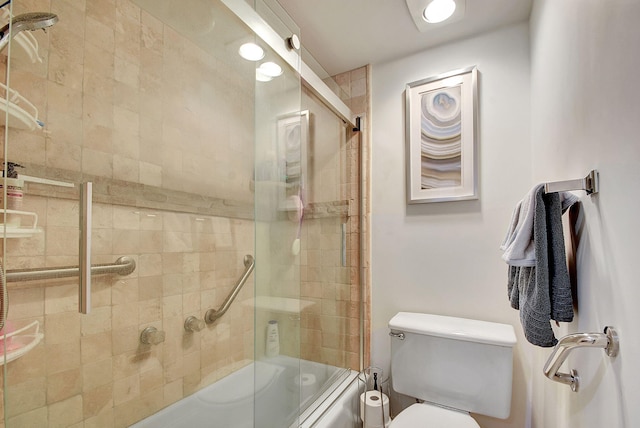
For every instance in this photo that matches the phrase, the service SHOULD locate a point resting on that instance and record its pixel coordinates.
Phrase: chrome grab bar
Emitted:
(213, 314)
(608, 341)
(123, 266)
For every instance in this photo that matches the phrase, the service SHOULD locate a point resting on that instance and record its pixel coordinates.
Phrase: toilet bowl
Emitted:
(454, 365)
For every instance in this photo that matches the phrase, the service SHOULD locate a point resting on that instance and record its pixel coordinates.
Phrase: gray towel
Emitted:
(543, 292)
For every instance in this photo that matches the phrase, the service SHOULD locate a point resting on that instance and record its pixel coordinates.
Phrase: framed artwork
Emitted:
(441, 117)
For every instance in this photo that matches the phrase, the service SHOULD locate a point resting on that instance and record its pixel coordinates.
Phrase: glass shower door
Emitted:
(279, 196)
(150, 101)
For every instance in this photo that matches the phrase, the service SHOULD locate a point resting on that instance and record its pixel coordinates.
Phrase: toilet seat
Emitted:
(423, 415)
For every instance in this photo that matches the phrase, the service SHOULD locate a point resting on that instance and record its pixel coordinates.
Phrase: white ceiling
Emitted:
(346, 34)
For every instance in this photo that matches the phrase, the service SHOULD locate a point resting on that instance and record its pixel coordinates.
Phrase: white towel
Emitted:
(518, 246)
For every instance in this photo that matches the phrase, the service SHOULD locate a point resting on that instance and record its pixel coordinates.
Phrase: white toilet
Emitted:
(455, 365)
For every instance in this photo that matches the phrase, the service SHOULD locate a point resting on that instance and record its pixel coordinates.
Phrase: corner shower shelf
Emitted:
(16, 345)
(22, 114)
(18, 231)
(39, 180)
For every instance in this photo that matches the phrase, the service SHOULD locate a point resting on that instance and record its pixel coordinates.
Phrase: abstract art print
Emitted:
(441, 137)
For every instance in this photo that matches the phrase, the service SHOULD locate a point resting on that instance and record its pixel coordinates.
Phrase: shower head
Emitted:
(34, 21)
(27, 21)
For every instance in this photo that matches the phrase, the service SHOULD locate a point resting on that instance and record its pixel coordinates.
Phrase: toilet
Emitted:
(454, 365)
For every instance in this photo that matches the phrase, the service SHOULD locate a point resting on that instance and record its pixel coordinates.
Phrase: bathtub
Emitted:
(338, 408)
(229, 402)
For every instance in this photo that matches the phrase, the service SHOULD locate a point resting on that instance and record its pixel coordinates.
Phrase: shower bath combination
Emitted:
(27, 21)
(190, 251)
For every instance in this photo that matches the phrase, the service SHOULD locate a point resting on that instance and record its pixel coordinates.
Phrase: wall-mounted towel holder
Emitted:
(590, 184)
(608, 341)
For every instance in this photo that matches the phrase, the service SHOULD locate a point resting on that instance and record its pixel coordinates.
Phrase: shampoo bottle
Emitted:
(273, 339)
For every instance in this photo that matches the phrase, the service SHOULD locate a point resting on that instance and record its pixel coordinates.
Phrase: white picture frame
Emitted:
(441, 118)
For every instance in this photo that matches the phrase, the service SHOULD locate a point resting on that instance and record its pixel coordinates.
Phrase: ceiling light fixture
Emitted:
(439, 10)
(251, 52)
(260, 77)
(270, 69)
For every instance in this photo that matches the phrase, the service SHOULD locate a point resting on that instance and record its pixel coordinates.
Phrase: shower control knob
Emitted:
(192, 324)
(293, 42)
(151, 336)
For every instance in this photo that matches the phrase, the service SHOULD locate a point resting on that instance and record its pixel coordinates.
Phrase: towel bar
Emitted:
(590, 184)
(607, 340)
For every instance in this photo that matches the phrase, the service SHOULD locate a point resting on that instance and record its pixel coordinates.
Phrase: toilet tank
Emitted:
(455, 362)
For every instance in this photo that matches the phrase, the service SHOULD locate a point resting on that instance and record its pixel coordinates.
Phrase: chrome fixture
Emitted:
(213, 314)
(293, 42)
(27, 21)
(122, 266)
(151, 336)
(193, 324)
(608, 341)
(590, 184)
(397, 335)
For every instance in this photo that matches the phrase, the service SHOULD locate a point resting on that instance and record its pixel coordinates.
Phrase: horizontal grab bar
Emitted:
(123, 266)
(607, 340)
(213, 314)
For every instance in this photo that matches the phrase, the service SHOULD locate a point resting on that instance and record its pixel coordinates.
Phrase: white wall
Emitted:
(585, 115)
(443, 258)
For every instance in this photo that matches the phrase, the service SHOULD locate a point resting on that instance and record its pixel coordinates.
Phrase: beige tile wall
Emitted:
(127, 98)
(93, 367)
(356, 85)
(124, 96)
(330, 329)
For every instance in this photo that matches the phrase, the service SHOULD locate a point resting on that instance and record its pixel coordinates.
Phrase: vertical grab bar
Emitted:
(84, 293)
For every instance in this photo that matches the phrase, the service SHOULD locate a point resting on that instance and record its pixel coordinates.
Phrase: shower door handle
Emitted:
(84, 293)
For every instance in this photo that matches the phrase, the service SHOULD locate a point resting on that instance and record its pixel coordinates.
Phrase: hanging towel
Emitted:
(542, 292)
(518, 244)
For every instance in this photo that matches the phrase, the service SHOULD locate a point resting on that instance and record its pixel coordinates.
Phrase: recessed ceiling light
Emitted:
(439, 10)
(261, 77)
(251, 52)
(270, 69)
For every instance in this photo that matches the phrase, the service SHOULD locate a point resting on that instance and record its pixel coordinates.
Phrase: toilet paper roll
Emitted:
(373, 404)
(306, 383)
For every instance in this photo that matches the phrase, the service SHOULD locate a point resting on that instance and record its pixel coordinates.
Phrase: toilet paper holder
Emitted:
(374, 409)
(374, 404)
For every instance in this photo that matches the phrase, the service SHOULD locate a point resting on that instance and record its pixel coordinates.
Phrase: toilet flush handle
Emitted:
(398, 335)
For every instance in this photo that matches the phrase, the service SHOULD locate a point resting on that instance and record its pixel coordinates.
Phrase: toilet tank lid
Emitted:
(454, 328)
